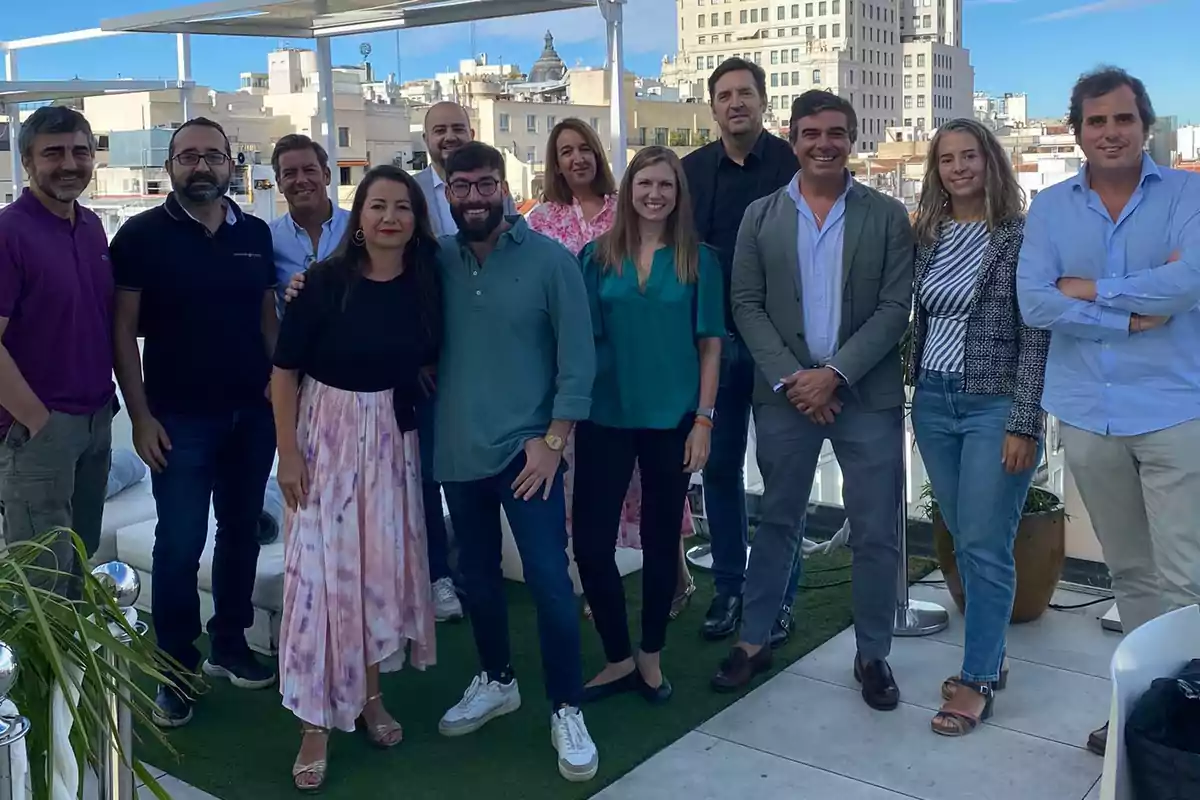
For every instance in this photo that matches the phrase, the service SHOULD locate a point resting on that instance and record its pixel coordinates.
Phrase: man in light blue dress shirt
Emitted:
(311, 231)
(1111, 265)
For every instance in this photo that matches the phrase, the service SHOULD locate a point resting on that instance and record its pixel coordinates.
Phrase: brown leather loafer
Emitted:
(738, 669)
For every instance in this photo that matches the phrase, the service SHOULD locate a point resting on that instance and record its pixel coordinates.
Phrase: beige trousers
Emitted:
(1143, 496)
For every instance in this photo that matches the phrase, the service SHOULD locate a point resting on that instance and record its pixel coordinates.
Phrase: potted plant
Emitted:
(1039, 551)
(49, 636)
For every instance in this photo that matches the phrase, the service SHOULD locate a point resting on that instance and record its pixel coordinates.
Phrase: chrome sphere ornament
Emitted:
(8, 669)
(120, 579)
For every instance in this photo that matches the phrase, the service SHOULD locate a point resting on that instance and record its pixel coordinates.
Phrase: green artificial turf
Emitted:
(241, 744)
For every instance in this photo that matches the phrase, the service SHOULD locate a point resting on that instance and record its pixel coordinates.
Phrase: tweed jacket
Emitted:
(1002, 355)
(877, 277)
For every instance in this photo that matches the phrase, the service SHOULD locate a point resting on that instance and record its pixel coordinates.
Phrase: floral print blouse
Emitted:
(565, 223)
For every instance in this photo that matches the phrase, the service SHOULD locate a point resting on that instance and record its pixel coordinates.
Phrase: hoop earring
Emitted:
(359, 237)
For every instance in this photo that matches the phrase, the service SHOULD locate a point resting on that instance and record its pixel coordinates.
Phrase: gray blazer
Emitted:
(876, 296)
(424, 179)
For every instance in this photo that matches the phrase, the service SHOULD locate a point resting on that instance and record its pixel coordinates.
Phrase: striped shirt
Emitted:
(947, 291)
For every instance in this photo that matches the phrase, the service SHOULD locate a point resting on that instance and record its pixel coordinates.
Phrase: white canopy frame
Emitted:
(14, 92)
(323, 19)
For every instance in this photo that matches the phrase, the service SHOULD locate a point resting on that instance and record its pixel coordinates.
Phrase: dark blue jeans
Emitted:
(725, 474)
(226, 459)
(540, 530)
(961, 437)
(437, 542)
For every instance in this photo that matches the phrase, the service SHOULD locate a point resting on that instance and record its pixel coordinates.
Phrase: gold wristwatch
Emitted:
(554, 442)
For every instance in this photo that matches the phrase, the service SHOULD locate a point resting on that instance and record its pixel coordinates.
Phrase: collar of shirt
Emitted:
(1150, 171)
(802, 204)
(760, 145)
(32, 205)
(177, 211)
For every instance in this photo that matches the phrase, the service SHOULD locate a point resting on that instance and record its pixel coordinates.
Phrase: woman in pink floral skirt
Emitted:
(356, 582)
(579, 204)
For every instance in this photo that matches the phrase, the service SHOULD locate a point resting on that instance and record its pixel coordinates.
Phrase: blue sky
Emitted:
(1034, 46)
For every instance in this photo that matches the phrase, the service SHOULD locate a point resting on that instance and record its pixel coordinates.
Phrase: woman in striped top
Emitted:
(976, 410)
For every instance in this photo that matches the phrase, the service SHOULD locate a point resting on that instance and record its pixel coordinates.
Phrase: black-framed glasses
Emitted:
(192, 159)
(486, 187)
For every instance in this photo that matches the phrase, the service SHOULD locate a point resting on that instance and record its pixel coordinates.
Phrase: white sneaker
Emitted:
(446, 605)
(578, 759)
(483, 701)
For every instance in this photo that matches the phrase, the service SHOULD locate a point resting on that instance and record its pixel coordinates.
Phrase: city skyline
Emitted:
(1001, 35)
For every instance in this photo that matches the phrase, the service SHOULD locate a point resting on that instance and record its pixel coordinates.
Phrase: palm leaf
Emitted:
(52, 637)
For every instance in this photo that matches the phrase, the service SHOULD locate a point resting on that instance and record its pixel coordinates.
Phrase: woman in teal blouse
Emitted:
(657, 312)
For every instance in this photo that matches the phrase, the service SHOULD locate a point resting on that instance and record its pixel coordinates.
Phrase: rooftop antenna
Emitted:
(473, 54)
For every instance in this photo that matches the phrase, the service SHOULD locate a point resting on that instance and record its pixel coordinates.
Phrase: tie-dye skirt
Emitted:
(356, 581)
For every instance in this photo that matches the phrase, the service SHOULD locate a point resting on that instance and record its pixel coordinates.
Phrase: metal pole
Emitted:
(613, 13)
(14, 125)
(326, 110)
(12, 729)
(116, 770)
(183, 53)
(913, 617)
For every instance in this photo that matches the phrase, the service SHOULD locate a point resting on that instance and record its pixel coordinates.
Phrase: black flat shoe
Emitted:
(781, 631)
(655, 695)
(879, 689)
(630, 683)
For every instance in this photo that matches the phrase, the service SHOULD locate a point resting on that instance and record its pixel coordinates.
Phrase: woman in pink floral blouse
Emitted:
(578, 205)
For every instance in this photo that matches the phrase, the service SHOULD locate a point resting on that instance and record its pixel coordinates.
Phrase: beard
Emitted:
(477, 230)
(202, 188)
(52, 184)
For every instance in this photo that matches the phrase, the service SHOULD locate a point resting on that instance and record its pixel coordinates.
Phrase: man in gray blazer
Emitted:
(821, 293)
(447, 128)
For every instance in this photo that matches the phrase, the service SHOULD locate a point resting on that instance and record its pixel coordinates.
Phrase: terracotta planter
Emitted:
(1039, 551)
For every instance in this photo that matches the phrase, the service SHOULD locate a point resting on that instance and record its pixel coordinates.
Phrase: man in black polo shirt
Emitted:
(195, 277)
(724, 177)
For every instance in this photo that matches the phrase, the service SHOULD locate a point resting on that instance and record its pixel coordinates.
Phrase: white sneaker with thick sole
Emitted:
(446, 605)
(483, 701)
(578, 759)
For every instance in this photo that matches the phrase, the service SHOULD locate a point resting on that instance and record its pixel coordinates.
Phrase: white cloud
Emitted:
(1097, 7)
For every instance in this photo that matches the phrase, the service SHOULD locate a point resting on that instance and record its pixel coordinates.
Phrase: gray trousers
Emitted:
(869, 449)
(1143, 496)
(57, 479)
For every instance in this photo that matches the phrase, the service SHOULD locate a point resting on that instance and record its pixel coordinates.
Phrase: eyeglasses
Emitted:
(192, 159)
(485, 186)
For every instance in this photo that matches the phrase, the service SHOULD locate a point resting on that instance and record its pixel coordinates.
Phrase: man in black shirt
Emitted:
(195, 278)
(724, 177)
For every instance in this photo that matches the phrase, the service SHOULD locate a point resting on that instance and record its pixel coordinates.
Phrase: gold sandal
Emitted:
(385, 735)
(682, 600)
(317, 769)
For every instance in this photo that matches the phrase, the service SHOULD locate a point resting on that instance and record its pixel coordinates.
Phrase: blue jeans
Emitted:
(725, 474)
(961, 437)
(437, 542)
(225, 458)
(539, 528)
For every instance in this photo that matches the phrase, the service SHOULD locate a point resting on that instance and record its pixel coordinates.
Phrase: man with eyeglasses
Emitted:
(195, 277)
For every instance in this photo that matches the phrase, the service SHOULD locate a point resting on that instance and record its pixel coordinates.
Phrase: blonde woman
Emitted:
(579, 205)
(658, 316)
(977, 408)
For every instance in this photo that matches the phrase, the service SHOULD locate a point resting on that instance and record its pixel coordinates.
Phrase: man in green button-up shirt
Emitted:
(515, 375)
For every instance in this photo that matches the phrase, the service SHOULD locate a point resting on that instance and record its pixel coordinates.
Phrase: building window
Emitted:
(821, 32)
(775, 56)
(343, 137)
(908, 101)
(836, 6)
(344, 176)
(908, 81)
(531, 123)
(808, 9)
(660, 137)
(796, 78)
(816, 77)
(712, 18)
(709, 65)
(808, 32)
(531, 155)
(920, 60)
(795, 31)
(550, 122)
(758, 58)
(783, 57)
(920, 101)
(774, 79)
(700, 20)
(796, 11)
(595, 123)
(837, 30)
(781, 13)
(504, 123)
(822, 8)
(925, 21)
(729, 17)
(908, 62)
(744, 16)
(908, 122)
(783, 79)
(920, 81)
(796, 51)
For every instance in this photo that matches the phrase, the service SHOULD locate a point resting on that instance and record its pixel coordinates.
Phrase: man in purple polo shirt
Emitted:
(56, 302)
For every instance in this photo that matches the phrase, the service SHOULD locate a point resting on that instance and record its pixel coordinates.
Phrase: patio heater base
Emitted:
(920, 618)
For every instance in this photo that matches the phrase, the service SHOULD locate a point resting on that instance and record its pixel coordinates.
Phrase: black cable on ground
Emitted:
(1095, 602)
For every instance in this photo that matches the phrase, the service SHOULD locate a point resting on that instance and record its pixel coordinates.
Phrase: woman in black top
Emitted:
(356, 580)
